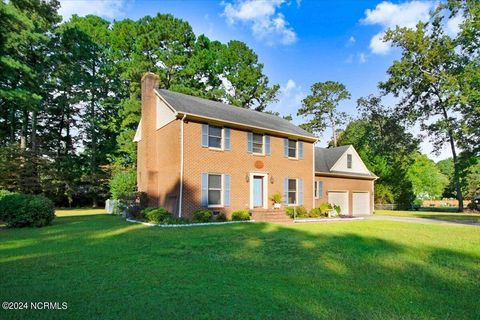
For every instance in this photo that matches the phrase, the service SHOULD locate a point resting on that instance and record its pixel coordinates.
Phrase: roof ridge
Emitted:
(223, 104)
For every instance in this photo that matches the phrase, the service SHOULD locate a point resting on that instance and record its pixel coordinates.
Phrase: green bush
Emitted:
(301, 212)
(202, 215)
(337, 209)
(240, 215)
(316, 213)
(122, 183)
(4, 193)
(156, 215)
(276, 198)
(25, 210)
(221, 217)
(325, 208)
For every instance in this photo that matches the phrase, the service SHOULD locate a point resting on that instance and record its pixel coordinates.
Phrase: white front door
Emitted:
(361, 203)
(340, 199)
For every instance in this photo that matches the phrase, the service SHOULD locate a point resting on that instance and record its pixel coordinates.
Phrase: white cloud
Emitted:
(378, 46)
(389, 15)
(453, 24)
(351, 41)
(289, 100)
(109, 9)
(266, 23)
(362, 58)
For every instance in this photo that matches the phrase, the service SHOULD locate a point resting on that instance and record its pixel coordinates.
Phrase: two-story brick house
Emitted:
(195, 153)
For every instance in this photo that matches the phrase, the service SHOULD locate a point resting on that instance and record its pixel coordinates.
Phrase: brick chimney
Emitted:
(146, 148)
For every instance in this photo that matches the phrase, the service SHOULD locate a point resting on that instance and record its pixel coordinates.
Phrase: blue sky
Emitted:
(299, 42)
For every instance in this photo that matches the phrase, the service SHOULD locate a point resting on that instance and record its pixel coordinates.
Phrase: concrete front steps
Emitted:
(271, 215)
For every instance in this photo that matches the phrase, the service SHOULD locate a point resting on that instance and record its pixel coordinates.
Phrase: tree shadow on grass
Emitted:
(107, 268)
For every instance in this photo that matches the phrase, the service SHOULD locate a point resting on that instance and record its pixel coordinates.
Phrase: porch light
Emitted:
(247, 177)
(272, 180)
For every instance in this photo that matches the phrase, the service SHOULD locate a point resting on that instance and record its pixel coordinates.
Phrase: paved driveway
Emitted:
(419, 220)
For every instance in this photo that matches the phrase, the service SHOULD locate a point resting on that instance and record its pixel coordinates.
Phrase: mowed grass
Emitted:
(446, 216)
(106, 268)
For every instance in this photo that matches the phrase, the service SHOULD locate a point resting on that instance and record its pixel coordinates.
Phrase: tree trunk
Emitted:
(456, 173)
(334, 129)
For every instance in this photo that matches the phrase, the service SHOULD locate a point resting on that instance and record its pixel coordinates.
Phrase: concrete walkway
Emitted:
(419, 220)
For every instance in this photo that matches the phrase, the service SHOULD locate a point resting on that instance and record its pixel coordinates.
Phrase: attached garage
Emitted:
(340, 199)
(342, 178)
(360, 203)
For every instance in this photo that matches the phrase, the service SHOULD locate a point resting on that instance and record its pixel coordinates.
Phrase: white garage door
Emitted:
(361, 203)
(340, 199)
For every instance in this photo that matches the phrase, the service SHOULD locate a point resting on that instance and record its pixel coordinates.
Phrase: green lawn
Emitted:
(106, 268)
(446, 216)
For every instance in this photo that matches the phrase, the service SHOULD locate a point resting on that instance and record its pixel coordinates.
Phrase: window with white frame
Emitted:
(349, 161)
(214, 190)
(318, 189)
(292, 148)
(257, 143)
(214, 137)
(292, 191)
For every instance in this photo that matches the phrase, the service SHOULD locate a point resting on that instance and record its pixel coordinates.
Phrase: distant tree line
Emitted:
(70, 92)
(436, 82)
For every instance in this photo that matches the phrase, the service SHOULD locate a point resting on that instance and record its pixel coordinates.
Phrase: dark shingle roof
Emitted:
(224, 112)
(325, 158)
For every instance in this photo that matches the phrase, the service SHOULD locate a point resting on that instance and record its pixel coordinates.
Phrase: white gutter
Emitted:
(180, 198)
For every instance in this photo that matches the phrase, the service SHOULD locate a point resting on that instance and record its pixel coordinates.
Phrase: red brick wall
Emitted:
(238, 163)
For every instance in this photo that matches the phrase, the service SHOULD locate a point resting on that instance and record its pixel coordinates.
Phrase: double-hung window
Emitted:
(292, 191)
(349, 161)
(214, 190)
(292, 148)
(318, 189)
(258, 143)
(214, 137)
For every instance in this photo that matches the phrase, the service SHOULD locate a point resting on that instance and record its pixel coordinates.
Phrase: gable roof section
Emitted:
(186, 104)
(326, 158)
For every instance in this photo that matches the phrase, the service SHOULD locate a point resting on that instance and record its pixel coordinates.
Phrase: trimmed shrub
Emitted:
(277, 198)
(26, 210)
(240, 215)
(156, 215)
(301, 211)
(202, 215)
(122, 183)
(221, 217)
(325, 208)
(316, 213)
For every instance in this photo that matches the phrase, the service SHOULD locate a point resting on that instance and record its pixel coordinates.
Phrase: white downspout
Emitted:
(313, 169)
(180, 198)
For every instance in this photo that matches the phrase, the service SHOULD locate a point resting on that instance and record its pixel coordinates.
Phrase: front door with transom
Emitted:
(258, 191)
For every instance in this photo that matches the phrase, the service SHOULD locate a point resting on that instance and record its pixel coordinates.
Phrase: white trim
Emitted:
(138, 132)
(180, 198)
(265, 189)
(296, 149)
(307, 220)
(263, 144)
(187, 224)
(351, 149)
(222, 187)
(296, 193)
(344, 175)
(316, 185)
